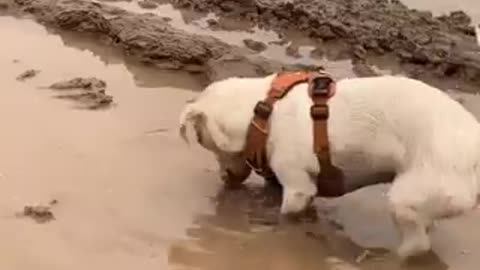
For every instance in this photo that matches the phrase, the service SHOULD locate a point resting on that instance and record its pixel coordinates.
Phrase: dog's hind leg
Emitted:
(417, 199)
(413, 229)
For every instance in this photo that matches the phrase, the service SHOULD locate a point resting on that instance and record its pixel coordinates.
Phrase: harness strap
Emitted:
(321, 88)
(257, 134)
(330, 182)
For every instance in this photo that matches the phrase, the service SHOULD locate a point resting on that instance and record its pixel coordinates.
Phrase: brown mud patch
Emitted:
(39, 213)
(151, 39)
(27, 74)
(422, 45)
(89, 93)
(370, 40)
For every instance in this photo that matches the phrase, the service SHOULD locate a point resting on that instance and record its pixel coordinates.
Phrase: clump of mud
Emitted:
(443, 46)
(39, 213)
(147, 4)
(27, 74)
(255, 45)
(88, 92)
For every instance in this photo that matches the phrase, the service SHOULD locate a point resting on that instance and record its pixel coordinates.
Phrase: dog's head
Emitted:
(232, 166)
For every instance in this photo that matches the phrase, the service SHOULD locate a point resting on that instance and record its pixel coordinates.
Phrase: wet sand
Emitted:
(124, 193)
(131, 194)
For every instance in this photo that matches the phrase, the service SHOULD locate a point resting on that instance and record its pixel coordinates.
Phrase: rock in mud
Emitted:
(88, 92)
(39, 213)
(147, 4)
(148, 37)
(444, 45)
(255, 45)
(27, 74)
(90, 84)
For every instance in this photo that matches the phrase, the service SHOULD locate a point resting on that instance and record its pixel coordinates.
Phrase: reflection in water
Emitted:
(244, 234)
(143, 75)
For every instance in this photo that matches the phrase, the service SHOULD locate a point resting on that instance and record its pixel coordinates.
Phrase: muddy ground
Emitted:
(93, 173)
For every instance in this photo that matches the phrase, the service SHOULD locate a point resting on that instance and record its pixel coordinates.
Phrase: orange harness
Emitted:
(320, 88)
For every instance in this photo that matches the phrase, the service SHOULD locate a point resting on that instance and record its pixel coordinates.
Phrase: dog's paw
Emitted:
(295, 203)
(414, 248)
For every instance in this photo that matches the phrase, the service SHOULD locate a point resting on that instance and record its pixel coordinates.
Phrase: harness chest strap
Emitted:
(321, 87)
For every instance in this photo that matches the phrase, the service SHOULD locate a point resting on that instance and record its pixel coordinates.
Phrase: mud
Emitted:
(39, 213)
(27, 74)
(133, 195)
(255, 45)
(151, 39)
(91, 94)
(442, 46)
(147, 4)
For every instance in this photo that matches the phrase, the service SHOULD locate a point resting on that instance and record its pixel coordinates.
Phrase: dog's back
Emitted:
(393, 118)
(406, 116)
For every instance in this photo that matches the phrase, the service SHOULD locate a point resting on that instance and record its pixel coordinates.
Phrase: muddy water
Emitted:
(131, 194)
(124, 193)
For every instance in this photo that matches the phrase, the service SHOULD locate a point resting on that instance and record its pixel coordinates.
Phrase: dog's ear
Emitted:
(209, 132)
(191, 115)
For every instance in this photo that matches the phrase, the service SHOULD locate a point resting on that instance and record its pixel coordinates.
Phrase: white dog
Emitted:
(376, 125)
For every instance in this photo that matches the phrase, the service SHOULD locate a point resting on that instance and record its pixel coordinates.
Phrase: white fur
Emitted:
(376, 124)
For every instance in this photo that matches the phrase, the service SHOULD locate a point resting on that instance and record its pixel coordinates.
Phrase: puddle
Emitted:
(149, 210)
(130, 193)
(115, 183)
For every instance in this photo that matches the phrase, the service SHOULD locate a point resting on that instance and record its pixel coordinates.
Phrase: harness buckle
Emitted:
(320, 86)
(319, 111)
(263, 109)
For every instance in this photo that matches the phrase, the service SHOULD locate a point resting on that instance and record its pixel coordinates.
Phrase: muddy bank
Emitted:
(150, 38)
(443, 46)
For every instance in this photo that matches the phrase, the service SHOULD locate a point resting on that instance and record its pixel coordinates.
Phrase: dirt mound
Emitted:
(150, 38)
(39, 213)
(444, 45)
(27, 74)
(89, 93)
(425, 46)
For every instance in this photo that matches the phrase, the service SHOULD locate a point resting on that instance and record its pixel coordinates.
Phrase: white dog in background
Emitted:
(377, 124)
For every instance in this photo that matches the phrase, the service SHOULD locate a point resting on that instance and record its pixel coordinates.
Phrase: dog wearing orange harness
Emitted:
(321, 137)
